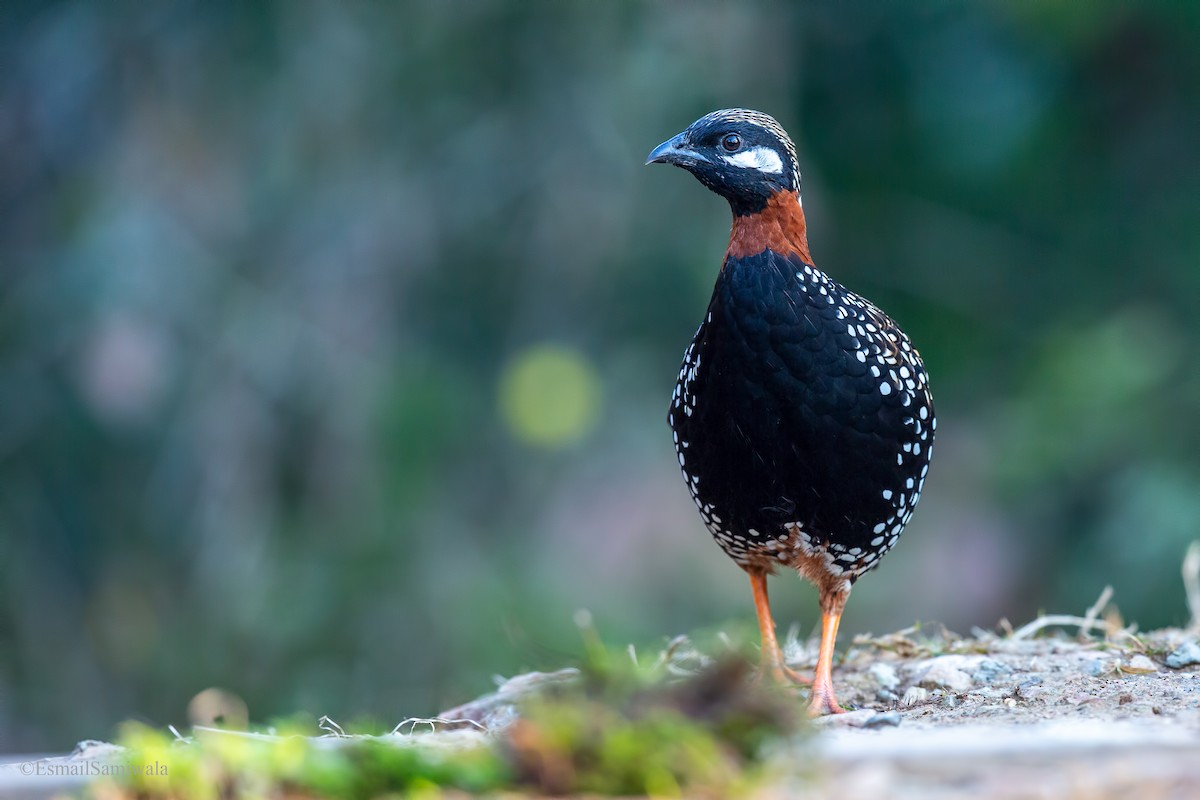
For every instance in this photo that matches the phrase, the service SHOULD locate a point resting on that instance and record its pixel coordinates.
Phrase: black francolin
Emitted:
(802, 416)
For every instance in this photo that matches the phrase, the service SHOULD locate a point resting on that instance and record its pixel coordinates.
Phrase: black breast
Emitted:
(801, 409)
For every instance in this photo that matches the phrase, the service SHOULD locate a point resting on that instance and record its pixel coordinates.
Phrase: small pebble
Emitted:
(1185, 655)
(885, 675)
(1140, 665)
(1124, 699)
(848, 719)
(945, 674)
(990, 670)
(1035, 693)
(1098, 667)
(888, 719)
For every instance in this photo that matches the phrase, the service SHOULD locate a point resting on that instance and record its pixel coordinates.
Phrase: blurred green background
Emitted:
(336, 339)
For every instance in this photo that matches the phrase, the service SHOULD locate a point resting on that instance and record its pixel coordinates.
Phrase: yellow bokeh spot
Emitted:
(549, 395)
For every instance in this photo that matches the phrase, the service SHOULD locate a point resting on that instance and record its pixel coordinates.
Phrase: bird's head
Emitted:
(745, 156)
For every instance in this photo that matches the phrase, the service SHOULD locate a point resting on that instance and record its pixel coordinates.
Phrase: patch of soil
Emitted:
(1012, 717)
(1004, 680)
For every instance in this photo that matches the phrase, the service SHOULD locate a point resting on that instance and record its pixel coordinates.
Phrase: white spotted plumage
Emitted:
(876, 341)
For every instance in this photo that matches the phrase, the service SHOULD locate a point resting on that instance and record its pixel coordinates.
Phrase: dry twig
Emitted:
(1084, 623)
(1060, 620)
(1098, 606)
(1191, 583)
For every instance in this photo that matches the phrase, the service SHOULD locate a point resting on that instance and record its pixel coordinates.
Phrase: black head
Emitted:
(742, 155)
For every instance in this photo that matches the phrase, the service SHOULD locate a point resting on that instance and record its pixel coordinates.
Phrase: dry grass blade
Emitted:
(898, 643)
(330, 727)
(433, 723)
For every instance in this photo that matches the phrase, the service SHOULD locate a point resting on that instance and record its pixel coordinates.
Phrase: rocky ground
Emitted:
(1012, 680)
(1039, 712)
(1016, 717)
(1063, 707)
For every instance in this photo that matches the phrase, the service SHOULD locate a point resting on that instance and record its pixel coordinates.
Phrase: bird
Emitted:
(802, 416)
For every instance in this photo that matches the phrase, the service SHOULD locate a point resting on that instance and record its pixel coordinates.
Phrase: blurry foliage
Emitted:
(285, 284)
(619, 730)
(625, 729)
(218, 766)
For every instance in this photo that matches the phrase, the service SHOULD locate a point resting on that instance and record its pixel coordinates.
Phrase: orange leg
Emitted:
(772, 656)
(823, 700)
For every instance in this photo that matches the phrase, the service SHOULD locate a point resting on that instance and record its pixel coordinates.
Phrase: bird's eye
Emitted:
(731, 142)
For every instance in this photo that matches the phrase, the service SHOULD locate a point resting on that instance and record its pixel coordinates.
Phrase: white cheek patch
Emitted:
(763, 159)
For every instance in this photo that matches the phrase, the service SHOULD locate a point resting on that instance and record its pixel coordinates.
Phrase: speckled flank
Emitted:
(855, 330)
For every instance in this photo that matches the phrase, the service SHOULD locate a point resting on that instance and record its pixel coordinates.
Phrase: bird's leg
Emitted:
(823, 700)
(772, 655)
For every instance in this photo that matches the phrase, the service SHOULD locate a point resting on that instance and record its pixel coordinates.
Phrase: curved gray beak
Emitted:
(675, 151)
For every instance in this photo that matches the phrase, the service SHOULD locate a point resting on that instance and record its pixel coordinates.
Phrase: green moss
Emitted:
(232, 766)
(620, 730)
(590, 748)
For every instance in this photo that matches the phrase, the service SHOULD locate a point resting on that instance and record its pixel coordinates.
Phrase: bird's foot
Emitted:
(780, 675)
(823, 702)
